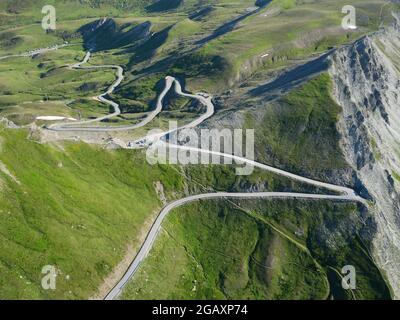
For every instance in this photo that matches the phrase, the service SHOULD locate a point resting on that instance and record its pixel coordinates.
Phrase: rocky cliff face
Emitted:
(367, 85)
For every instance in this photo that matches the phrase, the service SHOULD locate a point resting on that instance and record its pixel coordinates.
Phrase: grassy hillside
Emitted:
(44, 85)
(285, 30)
(300, 131)
(270, 249)
(282, 249)
(289, 29)
(80, 207)
(272, 38)
(73, 206)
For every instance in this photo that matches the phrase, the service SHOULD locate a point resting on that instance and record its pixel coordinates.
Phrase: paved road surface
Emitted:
(155, 229)
(120, 77)
(35, 51)
(169, 81)
(340, 189)
(205, 99)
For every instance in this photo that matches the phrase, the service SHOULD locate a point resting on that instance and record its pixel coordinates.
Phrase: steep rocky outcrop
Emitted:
(367, 86)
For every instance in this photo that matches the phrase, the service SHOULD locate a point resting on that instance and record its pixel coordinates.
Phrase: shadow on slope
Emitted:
(292, 78)
(200, 14)
(105, 34)
(148, 48)
(164, 5)
(231, 25)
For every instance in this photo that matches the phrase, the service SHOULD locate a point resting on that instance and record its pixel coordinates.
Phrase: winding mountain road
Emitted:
(35, 51)
(347, 192)
(169, 82)
(155, 229)
(344, 194)
(110, 90)
(77, 126)
(202, 97)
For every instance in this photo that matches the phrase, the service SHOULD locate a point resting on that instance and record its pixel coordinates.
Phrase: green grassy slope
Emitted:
(34, 80)
(286, 30)
(215, 250)
(299, 130)
(49, 86)
(79, 207)
(261, 250)
(73, 206)
(289, 30)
